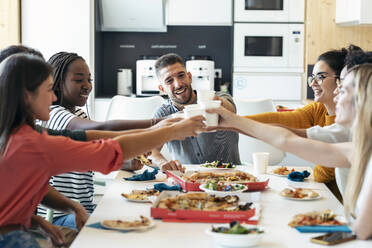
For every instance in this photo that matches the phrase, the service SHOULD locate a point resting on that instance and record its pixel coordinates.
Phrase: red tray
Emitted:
(190, 186)
(197, 215)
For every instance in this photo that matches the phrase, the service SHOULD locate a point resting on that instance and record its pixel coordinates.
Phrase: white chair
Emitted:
(248, 145)
(132, 108)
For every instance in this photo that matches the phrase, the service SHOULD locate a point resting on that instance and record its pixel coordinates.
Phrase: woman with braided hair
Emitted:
(28, 158)
(72, 86)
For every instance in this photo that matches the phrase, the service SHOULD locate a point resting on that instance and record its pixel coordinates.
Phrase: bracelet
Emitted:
(152, 122)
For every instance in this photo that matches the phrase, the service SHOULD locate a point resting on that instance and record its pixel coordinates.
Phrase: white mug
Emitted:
(260, 162)
(205, 95)
(192, 110)
(211, 119)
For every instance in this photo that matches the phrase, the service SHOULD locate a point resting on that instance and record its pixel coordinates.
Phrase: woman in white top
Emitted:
(353, 109)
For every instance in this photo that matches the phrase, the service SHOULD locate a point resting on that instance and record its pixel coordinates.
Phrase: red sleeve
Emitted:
(64, 155)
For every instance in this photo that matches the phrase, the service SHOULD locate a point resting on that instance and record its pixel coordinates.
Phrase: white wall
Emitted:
(52, 26)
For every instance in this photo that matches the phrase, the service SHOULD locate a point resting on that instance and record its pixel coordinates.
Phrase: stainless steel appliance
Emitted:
(202, 71)
(124, 82)
(269, 10)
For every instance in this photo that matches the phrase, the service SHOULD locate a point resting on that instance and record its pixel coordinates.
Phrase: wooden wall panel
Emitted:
(323, 34)
(10, 25)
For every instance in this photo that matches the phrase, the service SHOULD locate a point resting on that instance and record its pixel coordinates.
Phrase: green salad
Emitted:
(236, 228)
(218, 164)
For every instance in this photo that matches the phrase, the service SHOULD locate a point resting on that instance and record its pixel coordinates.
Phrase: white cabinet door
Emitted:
(277, 86)
(199, 12)
(354, 12)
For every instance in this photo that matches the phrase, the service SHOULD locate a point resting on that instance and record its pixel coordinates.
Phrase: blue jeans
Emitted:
(18, 239)
(66, 220)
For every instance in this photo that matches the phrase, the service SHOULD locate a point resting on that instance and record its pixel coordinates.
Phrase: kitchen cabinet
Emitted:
(277, 86)
(356, 12)
(196, 12)
(132, 16)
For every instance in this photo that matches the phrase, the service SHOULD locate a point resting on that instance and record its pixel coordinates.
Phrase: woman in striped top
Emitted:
(72, 86)
(28, 159)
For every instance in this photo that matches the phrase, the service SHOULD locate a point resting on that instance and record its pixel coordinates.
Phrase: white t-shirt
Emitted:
(75, 185)
(366, 187)
(334, 133)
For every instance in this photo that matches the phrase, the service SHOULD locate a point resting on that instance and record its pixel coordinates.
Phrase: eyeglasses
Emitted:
(319, 78)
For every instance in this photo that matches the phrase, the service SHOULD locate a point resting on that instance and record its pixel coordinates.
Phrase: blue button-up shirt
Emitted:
(220, 145)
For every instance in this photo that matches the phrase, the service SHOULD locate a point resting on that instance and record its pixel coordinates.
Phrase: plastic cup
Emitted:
(192, 110)
(260, 162)
(205, 95)
(211, 119)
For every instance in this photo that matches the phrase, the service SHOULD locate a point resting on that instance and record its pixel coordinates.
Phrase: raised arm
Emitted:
(138, 143)
(311, 150)
(113, 125)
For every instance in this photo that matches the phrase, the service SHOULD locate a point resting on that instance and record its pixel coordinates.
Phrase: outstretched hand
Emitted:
(189, 127)
(226, 120)
(167, 122)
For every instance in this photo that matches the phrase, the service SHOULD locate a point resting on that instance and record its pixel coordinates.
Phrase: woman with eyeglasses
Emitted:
(354, 111)
(321, 112)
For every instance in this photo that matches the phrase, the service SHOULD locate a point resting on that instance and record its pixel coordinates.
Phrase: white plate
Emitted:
(301, 199)
(149, 199)
(141, 228)
(235, 240)
(216, 192)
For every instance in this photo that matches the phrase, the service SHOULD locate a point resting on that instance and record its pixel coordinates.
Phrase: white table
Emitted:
(275, 216)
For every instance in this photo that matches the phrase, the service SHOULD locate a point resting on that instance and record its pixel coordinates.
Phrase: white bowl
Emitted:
(235, 240)
(221, 193)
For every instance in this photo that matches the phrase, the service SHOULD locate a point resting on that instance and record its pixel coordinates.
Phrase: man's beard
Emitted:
(179, 101)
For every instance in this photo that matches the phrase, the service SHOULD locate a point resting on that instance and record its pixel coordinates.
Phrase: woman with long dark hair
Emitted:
(28, 159)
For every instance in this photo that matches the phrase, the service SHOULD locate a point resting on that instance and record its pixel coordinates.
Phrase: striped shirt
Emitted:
(75, 185)
(220, 145)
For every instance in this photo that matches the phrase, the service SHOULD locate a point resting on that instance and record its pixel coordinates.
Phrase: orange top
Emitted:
(310, 115)
(31, 158)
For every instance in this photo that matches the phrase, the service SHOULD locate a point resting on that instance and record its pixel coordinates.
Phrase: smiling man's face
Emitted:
(176, 83)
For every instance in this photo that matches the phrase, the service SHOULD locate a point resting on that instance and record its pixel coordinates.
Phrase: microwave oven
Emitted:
(268, 47)
(269, 10)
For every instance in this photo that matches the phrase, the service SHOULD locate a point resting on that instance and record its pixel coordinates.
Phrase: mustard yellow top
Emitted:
(310, 115)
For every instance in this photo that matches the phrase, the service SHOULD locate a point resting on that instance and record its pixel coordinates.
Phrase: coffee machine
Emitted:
(146, 80)
(202, 71)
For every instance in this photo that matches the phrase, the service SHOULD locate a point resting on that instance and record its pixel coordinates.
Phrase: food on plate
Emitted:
(284, 171)
(144, 160)
(236, 176)
(202, 201)
(218, 164)
(223, 186)
(324, 218)
(122, 224)
(141, 194)
(236, 228)
(299, 193)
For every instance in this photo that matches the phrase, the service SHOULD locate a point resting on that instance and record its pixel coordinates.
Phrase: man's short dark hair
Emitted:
(167, 60)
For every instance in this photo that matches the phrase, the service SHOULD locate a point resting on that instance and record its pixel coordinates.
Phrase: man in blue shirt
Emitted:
(175, 81)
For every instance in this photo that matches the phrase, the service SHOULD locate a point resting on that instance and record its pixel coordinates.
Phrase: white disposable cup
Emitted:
(210, 119)
(192, 110)
(205, 95)
(260, 162)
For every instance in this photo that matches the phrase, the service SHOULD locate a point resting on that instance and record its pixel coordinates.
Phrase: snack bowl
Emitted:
(235, 240)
